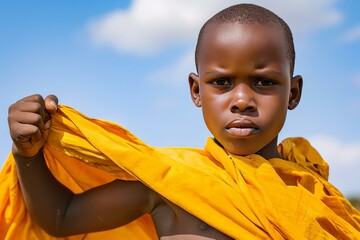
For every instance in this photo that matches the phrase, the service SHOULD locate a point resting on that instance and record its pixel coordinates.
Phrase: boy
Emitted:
(244, 85)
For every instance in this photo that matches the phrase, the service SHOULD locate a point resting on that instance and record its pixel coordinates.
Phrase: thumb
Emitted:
(51, 103)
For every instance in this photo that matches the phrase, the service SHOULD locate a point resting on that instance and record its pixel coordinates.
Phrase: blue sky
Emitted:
(128, 62)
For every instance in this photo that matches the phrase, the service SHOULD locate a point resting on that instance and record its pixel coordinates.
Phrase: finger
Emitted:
(31, 98)
(28, 142)
(51, 103)
(38, 106)
(28, 104)
(47, 125)
(27, 113)
(36, 137)
(26, 119)
(33, 103)
(34, 98)
(45, 134)
(22, 133)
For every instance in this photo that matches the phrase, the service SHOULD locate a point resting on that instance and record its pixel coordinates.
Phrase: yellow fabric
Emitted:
(244, 197)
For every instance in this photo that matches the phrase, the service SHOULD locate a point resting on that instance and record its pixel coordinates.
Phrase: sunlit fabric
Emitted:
(244, 197)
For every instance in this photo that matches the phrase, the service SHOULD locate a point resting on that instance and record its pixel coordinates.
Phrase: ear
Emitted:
(295, 91)
(194, 84)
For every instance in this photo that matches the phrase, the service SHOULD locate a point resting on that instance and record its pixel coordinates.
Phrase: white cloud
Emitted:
(336, 152)
(150, 26)
(305, 16)
(352, 34)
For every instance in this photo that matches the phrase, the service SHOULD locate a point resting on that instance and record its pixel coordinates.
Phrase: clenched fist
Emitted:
(29, 123)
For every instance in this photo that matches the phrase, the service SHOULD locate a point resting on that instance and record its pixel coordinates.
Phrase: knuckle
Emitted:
(37, 107)
(37, 119)
(10, 120)
(13, 108)
(37, 97)
(11, 117)
(22, 134)
(16, 134)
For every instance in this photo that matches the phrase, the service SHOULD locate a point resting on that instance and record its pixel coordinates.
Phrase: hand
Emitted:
(29, 122)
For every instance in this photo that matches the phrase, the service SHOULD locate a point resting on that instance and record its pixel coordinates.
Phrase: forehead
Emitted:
(235, 41)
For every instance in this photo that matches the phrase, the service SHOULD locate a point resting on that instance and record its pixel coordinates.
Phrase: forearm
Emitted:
(46, 198)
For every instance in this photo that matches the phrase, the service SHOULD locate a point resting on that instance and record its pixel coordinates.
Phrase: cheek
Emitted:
(276, 109)
(214, 108)
(211, 111)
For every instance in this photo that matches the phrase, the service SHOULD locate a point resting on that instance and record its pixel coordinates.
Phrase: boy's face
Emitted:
(245, 86)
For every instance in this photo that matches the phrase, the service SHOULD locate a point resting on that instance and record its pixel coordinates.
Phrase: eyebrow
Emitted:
(214, 72)
(262, 71)
(272, 72)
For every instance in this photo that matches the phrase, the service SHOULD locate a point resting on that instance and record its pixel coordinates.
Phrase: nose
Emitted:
(243, 99)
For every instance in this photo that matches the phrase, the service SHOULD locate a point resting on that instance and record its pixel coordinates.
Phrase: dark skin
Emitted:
(244, 88)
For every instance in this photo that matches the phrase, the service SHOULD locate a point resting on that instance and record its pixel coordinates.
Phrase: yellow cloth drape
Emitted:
(244, 197)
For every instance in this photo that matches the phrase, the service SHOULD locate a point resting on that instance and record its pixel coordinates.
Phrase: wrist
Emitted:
(25, 152)
(27, 160)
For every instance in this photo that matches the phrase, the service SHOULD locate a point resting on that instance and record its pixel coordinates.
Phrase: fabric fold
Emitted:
(244, 197)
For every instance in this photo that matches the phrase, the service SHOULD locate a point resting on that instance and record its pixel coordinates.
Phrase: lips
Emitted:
(242, 128)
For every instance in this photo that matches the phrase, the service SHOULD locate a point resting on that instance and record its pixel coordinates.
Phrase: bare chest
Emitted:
(173, 223)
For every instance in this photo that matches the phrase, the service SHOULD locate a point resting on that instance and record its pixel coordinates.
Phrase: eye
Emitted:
(265, 82)
(221, 82)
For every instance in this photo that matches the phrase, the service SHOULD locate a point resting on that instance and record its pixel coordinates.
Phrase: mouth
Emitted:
(241, 128)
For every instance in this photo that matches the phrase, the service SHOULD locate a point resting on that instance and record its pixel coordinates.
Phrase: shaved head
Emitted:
(250, 14)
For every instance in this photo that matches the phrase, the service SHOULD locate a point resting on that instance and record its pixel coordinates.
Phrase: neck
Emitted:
(267, 152)
(270, 150)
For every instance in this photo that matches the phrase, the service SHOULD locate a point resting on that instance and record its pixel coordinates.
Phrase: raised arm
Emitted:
(54, 207)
